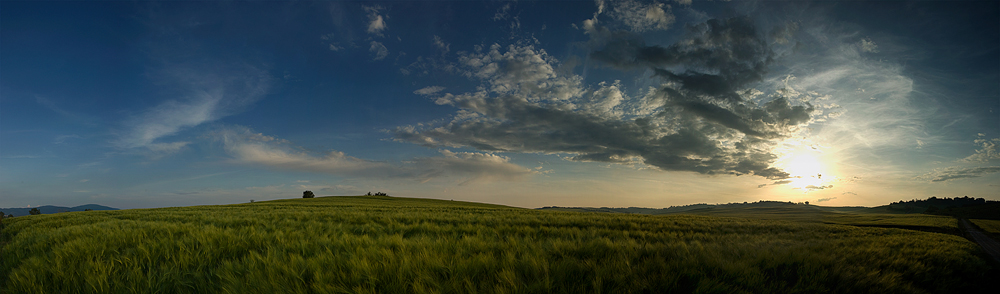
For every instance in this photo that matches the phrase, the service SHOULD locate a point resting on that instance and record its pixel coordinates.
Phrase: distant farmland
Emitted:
(405, 245)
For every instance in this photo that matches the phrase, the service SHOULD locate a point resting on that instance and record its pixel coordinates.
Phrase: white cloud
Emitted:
(953, 173)
(641, 17)
(208, 94)
(429, 90)
(376, 22)
(867, 45)
(378, 50)
(330, 39)
(988, 150)
(441, 44)
(248, 147)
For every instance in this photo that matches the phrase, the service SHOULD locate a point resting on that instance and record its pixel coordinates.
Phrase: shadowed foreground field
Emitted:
(404, 245)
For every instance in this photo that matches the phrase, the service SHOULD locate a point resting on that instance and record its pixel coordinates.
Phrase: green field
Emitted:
(405, 245)
(991, 227)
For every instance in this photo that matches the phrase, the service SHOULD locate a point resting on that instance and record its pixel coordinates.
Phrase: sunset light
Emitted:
(806, 170)
(648, 103)
(501, 146)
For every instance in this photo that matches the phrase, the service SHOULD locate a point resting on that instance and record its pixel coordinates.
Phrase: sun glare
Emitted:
(806, 171)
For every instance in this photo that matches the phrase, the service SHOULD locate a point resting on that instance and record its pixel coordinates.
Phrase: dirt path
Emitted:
(991, 246)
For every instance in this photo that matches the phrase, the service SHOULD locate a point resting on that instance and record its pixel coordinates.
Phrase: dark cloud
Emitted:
(701, 122)
(828, 199)
(781, 182)
(961, 173)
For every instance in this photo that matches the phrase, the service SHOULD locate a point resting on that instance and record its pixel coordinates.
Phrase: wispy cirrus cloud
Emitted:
(76, 116)
(206, 94)
(986, 153)
(953, 173)
(247, 147)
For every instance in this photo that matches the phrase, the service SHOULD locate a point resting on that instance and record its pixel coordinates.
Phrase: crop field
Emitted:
(405, 245)
(989, 226)
(912, 221)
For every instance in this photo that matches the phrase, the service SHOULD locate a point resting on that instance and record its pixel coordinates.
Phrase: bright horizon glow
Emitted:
(521, 103)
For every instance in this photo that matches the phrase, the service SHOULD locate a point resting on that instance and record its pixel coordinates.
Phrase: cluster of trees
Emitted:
(376, 194)
(943, 202)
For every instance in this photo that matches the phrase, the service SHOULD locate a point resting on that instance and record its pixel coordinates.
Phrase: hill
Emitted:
(702, 208)
(407, 245)
(50, 209)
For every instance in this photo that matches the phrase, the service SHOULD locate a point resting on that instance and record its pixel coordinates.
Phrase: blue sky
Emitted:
(530, 104)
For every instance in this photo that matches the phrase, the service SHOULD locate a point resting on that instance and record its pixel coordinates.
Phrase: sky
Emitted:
(522, 103)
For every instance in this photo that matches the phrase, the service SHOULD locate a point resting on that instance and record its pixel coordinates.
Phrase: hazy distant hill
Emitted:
(703, 208)
(47, 209)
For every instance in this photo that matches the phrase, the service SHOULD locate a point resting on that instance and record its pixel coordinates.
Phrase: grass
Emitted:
(991, 227)
(401, 245)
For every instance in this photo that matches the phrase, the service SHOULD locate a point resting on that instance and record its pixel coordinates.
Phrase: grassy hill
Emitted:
(406, 245)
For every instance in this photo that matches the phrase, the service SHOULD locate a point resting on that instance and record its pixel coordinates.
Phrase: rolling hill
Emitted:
(407, 245)
(50, 209)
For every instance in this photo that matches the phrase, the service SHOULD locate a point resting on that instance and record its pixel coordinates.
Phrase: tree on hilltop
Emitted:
(308, 194)
(35, 211)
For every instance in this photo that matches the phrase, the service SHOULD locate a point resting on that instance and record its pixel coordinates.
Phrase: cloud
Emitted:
(988, 150)
(378, 50)
(429, 90)
(952, 173)
(814, 187)
(247, 147)
(781, 182)
(641, 17)
(62, 139)
(700, 119)
(828, 199)
(866, 45)
(445, 47)
(332, 45)
(79, 117)
(376, 22)
(206, 93)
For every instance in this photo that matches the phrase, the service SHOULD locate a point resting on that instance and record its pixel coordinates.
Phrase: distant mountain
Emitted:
(49, 209)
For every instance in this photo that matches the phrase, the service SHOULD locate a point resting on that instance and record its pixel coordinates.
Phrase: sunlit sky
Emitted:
(529, 104)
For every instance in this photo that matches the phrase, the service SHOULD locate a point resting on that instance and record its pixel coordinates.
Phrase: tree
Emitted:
(308, 194)
(35, 211)
(807, 202)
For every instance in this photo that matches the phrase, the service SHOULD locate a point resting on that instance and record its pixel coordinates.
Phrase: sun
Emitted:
(806, 170)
